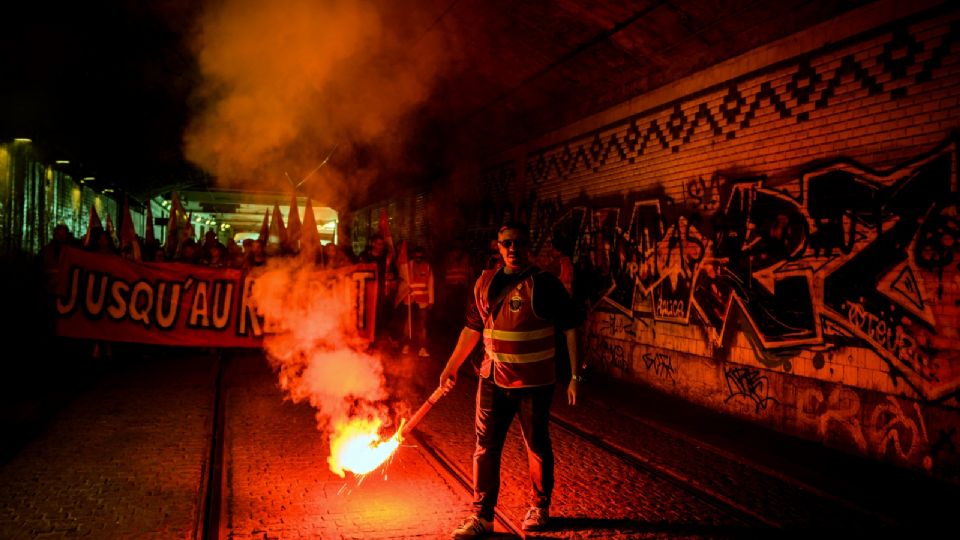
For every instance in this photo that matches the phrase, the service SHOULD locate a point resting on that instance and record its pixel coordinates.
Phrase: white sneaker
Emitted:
(405, 349)
(473, 527)
(537, 519)
(423, 353)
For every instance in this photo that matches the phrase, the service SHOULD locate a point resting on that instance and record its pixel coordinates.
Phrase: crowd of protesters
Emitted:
(408, 287)
(211, 252)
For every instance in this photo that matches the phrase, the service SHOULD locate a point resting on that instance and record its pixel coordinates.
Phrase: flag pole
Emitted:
(409, 305)
(409, 319)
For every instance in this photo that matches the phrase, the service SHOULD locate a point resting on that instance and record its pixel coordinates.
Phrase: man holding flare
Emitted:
(519, 311)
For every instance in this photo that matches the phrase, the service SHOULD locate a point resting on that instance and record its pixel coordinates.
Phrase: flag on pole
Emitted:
(278, 233)
(403, 272)
(293, 225)
(387, 237)
(265, 228)
(385, 229)
(92, 223)
(129, 245)
(174, 228)
(111, 231)
(149, 236)
(190, 232)
(309, 236)
(403, 290)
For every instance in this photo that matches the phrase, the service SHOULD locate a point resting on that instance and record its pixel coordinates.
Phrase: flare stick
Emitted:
(422, 411)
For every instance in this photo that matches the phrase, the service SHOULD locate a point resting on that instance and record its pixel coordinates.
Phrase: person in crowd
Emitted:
(493, 259)
(234, 254)
(50, 255)
(189, 252)
(333, 257)
(457, 277)
(486, 259)
(256, 256)
(49, 260)
(151, 250)
(517, 310)
(132, 250)
(377, 253)
(418, 300)
(347, 250)
(100, 242)
(217, 256)
(562, 263)
(210, 241)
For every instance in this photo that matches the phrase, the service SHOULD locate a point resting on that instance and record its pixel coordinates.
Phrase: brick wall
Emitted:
(778, 236)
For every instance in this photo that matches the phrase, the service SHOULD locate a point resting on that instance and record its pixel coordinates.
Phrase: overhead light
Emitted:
(62, 162)
(22, 140)
(108, 190)
(89, 178)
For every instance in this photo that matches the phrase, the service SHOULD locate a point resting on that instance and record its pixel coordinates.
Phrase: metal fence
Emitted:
(35, 196)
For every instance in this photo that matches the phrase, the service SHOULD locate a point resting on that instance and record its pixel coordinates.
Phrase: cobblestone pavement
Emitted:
(128, 456)
(597, 495)
(799, 486)
(776, 501)
(278, 484)
(736, 479)
(123, 460)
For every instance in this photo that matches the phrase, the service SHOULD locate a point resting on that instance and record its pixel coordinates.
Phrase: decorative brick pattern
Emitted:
(901, 61)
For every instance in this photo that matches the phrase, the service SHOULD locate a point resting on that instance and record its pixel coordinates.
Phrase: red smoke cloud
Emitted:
(285, 81)
(313, 343)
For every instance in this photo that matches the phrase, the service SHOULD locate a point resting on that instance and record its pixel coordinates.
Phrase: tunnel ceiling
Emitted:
(110, 85)
(544, 64)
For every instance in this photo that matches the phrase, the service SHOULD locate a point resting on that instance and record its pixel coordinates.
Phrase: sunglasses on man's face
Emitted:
(510, 242)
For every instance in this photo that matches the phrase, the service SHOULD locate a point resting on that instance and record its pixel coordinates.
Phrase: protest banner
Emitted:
(109, 298)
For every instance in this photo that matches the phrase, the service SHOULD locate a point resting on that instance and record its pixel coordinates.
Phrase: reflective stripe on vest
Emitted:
(419, 282)
(457, 275)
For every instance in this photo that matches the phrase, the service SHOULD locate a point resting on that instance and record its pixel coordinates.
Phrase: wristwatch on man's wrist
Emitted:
(577, 378)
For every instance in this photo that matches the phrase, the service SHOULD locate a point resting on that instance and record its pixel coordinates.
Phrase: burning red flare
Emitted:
(360, 450)
(320, 359)
(356, 446)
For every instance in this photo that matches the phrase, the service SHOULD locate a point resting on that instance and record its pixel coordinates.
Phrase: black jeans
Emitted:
(496, 408)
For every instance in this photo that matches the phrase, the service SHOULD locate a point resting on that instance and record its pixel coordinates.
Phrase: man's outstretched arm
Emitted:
(465, 344)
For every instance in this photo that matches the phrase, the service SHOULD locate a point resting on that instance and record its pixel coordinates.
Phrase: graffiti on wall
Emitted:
(602, 350)
(841, 255)
(887, 428)
(749, 384)
(659, 364)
